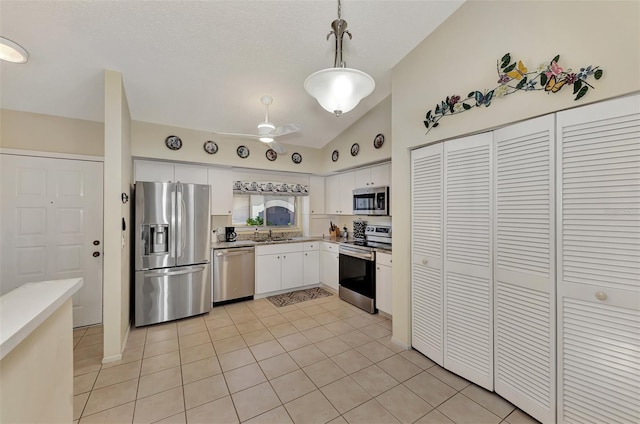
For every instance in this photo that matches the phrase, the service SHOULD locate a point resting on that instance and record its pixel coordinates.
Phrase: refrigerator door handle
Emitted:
(165, 274)
(179, 225)
(172, 227)
(183, 226)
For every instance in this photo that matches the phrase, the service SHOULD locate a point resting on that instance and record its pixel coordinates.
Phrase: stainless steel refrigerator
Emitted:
(172, 251)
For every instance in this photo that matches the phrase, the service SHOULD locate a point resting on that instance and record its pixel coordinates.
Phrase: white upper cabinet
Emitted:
(161, 172)
(165, 172)
(598, 272)
(426, 246)
(524, 266)
(316, 195)
(374, 176)
(221, 182)
(339, 193)
(191, 174)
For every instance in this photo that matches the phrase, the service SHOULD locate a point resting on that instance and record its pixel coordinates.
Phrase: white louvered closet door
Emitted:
(426, 247)
(598, 211)
(468, 290)
(524, 266)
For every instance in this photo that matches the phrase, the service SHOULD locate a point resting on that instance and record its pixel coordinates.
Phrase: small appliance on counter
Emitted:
(230, 234)
(358, 229)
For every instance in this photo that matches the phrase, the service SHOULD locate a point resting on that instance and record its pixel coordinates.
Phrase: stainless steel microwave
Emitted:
(371, 201)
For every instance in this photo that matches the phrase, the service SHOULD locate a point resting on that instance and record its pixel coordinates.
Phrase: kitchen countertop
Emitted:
(23, 309)
(253, 243)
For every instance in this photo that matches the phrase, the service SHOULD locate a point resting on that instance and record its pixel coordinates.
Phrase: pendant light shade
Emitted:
(339, 89)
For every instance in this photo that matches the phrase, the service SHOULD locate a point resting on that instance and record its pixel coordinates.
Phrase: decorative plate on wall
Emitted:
(271, 155)
(173, 142)
(210, 147)
(243, 151)
(378, 141)
(355, 148)
(335, 155)
(296, 158)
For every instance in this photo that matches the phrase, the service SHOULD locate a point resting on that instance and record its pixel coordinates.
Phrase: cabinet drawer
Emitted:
(311, 245)
(383, 259)
(271, 249)
(329, 247)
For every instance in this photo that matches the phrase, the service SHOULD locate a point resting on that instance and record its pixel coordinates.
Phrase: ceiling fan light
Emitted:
(339, 90)
(12, 52)
(266, 139)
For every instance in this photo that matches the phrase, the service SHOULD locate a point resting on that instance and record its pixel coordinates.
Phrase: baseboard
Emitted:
(399, 343)
(118, 357)
(273, 293)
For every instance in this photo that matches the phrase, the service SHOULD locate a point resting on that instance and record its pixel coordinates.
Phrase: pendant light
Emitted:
(339, 89)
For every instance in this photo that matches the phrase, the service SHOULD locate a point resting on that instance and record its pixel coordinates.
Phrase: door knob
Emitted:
(424, 262)
(96, 254)
(601, 295)
(96, 242)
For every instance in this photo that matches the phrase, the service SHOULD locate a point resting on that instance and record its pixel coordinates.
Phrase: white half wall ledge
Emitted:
(22, 310)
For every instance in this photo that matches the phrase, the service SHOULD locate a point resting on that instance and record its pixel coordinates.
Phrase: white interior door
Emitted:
(468, 264)
(52, 226)
(598, 209)
(426, 247)
(524, 266)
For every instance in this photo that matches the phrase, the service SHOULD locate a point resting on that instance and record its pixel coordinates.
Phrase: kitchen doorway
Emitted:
(51, 218)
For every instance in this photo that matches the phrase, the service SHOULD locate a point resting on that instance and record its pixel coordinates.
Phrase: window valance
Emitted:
(284, 189)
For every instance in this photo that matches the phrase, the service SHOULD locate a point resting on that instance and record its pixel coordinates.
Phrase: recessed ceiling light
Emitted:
(12, 52)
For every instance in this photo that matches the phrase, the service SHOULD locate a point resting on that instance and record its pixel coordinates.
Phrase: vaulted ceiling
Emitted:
(205, 64)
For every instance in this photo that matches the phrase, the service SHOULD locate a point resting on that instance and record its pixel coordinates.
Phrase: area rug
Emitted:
(291, 298)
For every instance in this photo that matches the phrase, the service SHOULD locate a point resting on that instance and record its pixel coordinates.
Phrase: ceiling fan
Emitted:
(267, 130)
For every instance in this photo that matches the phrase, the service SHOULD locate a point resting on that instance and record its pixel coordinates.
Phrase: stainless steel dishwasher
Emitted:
(233, 274)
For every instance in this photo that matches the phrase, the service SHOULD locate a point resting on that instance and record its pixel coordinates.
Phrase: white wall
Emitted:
(460, 56)
(117, 180)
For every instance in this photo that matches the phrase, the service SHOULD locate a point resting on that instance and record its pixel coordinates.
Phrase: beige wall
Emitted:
(460, 56)
(148, 142)
(117, 179)
(36, 377)
(363, 131)
(46, 133)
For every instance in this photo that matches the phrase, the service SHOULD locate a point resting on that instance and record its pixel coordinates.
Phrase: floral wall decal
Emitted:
(512, 77)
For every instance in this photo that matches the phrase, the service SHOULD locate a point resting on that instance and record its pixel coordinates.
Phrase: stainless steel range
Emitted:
(357, 267)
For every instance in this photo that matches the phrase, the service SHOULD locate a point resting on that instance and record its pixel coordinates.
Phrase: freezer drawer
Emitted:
(172, 293)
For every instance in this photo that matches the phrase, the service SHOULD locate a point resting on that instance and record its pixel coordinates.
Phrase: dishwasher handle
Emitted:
(234, 252)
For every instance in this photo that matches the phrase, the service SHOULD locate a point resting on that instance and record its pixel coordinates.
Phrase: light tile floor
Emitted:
(317, 361)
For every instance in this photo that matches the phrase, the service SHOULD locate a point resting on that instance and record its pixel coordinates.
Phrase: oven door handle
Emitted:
(360, 255)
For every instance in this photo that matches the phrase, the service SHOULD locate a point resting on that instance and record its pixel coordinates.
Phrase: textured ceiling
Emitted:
(205, 64)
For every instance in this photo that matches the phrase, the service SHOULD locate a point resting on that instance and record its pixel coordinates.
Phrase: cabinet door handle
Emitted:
(601, 295)
(378, 268)
(424, 262)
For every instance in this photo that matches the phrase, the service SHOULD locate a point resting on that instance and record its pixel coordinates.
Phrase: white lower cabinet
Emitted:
(384, 288)
(311, 263)
(286, 266)
(330, 264)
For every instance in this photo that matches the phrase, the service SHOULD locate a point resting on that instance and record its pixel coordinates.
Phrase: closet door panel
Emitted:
(426, 245)
(524, 266)
(598, 272)
(468, 291)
